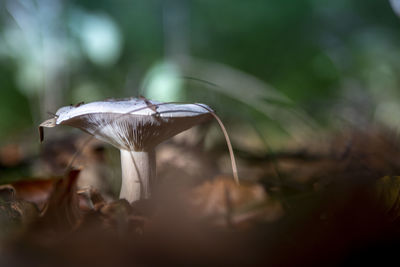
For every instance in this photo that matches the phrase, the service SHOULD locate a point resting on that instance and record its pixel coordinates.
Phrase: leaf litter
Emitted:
(328, 203)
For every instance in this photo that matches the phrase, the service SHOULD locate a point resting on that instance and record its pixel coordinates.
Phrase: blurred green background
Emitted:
(284, 64)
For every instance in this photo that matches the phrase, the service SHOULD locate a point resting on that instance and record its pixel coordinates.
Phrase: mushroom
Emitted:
(136, 127)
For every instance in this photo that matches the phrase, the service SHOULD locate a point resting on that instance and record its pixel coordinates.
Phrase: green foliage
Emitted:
(317, 53)
(14, 107)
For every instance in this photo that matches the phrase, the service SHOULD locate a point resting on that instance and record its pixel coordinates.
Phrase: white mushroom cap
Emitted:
(131, 124)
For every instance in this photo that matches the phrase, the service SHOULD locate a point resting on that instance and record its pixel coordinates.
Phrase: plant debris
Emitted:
(335, 205)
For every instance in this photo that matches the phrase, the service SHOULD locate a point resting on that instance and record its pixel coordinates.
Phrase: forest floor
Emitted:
(329, 205)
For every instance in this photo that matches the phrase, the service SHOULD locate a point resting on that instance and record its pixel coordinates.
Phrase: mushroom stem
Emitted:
(138, 173)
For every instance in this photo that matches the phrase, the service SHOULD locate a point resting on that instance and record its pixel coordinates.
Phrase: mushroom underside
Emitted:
(134, 132)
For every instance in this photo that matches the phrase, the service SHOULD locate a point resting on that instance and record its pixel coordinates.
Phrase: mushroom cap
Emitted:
(131, 124)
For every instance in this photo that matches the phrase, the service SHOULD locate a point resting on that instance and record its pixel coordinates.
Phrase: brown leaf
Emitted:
(7, 192)
(230, 203)
(36, 191)
(90, 199)
(62, 209)
(15, 214)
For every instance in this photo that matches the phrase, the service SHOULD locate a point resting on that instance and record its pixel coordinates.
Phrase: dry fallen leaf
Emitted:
(90, 199)
(229, 203)
(36, 191)
(61, 211)
(16, 215)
